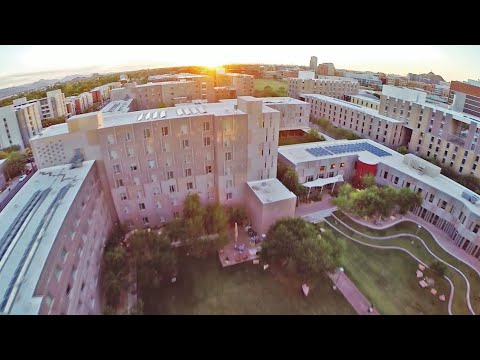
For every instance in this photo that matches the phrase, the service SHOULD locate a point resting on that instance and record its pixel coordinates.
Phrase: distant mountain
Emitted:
(41, 83)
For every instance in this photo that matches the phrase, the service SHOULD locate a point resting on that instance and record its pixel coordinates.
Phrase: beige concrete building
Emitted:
(363, 121)
(242, 83)
(153, 159)
(10, 133)
(368, 101)
(448, 136)
(294, 113)
(29, 121)
(330, 86)
(447, 205)
(52, 106)
(326, 69)
(225, 92)
(166, 93)
(51, 243)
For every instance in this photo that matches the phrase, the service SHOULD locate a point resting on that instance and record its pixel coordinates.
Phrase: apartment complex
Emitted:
(153, 159)
(396, 80)
(326, 69)
(294, 113)
(29, 121)
(366, 100)
(52, 106)
(242, 83)
(51, 243)
(166, 93)
(9, 128)
(335, 87)
(363, 121)
(447, 205)
(225, 92)
(435, 132)
(465, 97)
(81, 103)
(364, 79)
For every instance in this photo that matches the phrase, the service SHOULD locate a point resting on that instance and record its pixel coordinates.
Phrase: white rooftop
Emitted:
(118, 106)
(178, 76)
(346, 104)
(164, 83)
(298, 153)
(52, 131)
(273, 100)
(270, 190)
(30, 224)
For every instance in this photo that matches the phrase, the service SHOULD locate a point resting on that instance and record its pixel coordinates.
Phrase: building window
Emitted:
(116, 169)
(229, 183)
(475, 230)
(206, 141)
(206, 126)
(145, 220)
(396, 180)
(169, 175)
(385, 174)
(111, 139)
(164, 130)
(130, 152)
(332, 166)
(123, 196)
(58, 273)
(128, 136)
(133, 167)
(431, 198)
(136, 180)
(118, 183)
(189, 185)
(208, 169)
(146, 133)
(188, 172)
(141, 206)
(228, 156)
(342, 164)
(322, 168)
(176, 215)
(185, 143)
(229, 196)
(151, 164)
(172, 188)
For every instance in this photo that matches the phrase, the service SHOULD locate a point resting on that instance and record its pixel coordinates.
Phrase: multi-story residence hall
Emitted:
(49, 107)
(153, 159)
(294, 113)
(167, 90)
(242, 83)
(449, 136)
(446, 204)
(365, 122)
(336, 87)
(51, 241)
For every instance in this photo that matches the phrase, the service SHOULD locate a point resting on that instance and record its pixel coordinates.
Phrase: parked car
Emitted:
(22, 177)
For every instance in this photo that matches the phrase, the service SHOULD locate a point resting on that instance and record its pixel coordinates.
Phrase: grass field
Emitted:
(411, 228)
(204, 287)
(387, 279)
(259, 85)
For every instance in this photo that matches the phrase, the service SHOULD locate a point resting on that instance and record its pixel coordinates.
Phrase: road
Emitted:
(14, 187)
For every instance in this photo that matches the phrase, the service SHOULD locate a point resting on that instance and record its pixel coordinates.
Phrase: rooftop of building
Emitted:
(273, 100)
(239, 75)
(163, 83)
(118, 106)
(298, 153)
(330, 78)
(367, 96)
(30, 224)
(52, 131)
(352, 106)
(270, 190)
(178, 76)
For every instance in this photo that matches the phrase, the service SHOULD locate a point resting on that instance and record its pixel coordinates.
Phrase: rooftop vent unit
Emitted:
(77, 159)
(474, 199)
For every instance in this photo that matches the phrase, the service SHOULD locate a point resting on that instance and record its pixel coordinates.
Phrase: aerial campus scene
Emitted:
(236, 179)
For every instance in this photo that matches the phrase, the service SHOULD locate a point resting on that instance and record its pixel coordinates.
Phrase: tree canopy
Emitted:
(296, 241)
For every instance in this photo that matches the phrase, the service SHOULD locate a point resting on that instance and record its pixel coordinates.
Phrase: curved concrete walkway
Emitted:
(388, 247)
(425, 245)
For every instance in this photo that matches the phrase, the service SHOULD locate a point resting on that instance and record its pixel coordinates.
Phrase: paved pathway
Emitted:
(306, 209)
(319, 216)
(358, 301)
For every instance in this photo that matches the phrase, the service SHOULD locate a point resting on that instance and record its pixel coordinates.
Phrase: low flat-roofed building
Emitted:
(268, 201)
(366, 100)
(51, 242)
(446, 204)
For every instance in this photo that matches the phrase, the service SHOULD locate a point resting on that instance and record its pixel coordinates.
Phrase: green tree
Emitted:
(367, 181)
(439, 267)
(237, 215)
(403, 150)
(216, 221)
(137, 308)
(267, 91)
(175, 230)
(193, 217)
(15, 164)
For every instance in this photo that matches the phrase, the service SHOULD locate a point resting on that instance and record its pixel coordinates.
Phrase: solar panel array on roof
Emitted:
(155, 114)
(140, 117)
(194, 110)
(148, 116)
(186, 111)
(346, 148)
(202, 110)
(179, 112)
(163, 114)
(318, 151)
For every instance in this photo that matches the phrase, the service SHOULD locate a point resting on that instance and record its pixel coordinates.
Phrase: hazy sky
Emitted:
(20, 64)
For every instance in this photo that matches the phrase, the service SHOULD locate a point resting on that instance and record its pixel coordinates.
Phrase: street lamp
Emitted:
(418, 228)
(340, 271)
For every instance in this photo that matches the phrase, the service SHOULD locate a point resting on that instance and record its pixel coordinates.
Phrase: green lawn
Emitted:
(259, 85)
(411, 227)
(203, 287)
(387, 279)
